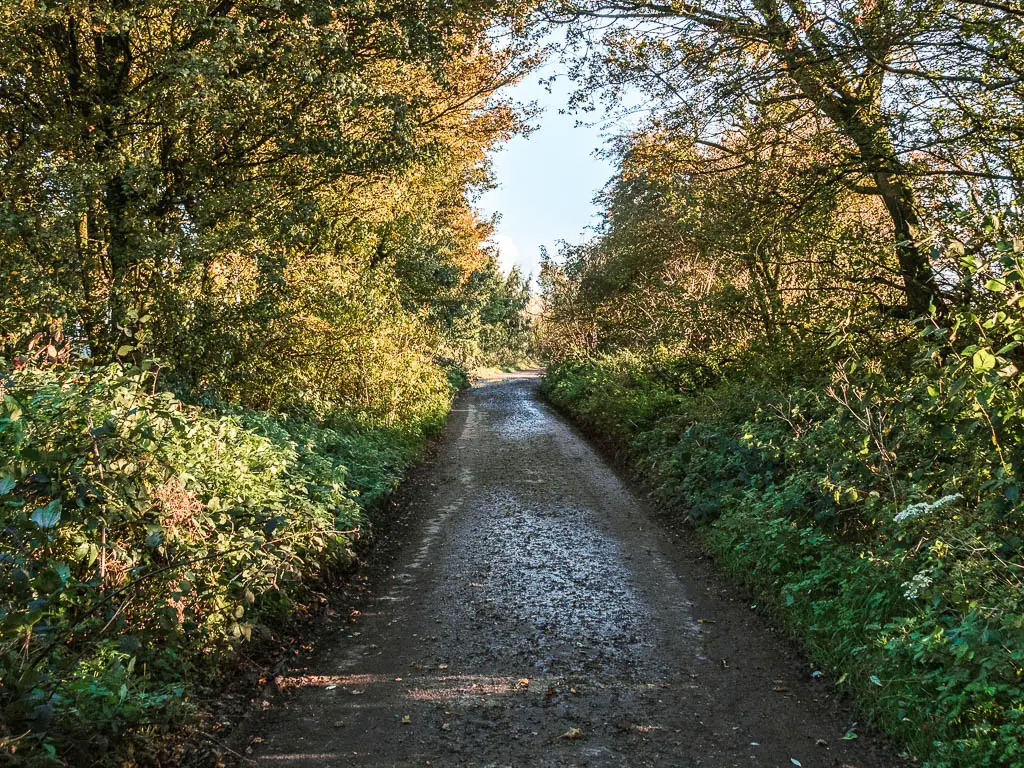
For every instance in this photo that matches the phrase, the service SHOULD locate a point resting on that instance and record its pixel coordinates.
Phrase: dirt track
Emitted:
(538, 616)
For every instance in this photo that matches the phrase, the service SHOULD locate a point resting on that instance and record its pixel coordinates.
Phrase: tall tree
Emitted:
(146, 139)
(880, 72)
(231, 183)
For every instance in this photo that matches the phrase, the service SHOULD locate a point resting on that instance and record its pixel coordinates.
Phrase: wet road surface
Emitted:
(538, 616)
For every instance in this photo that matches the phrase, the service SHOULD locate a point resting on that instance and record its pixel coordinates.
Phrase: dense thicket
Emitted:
(802, 322)
(240, 276)
(243, 187)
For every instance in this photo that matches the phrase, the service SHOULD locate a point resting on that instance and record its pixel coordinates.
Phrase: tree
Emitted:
(220, 184)
(881, 73)
(714, 248)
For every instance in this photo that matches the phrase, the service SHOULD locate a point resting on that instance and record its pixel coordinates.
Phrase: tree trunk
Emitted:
(113, 66)
(881, 162)
(918, 278)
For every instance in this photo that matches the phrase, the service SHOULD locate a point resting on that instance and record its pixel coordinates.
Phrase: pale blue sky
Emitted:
(546, 180)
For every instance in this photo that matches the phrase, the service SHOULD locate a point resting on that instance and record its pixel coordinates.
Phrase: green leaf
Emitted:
(49, 581)
(88, 552)
(983, 360)
(6, 485)
(13, 407)
(124, 350)
(48, 516)
(996, 286)
(154, 536)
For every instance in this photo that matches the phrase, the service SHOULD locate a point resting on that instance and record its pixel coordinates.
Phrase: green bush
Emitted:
(141, 538)
(874, 507)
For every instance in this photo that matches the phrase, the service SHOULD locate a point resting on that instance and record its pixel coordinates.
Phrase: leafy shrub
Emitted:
(874, 506)
(140, 538)
(622, 394)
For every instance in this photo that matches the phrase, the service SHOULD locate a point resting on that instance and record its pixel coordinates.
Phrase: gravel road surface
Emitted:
(538, 615)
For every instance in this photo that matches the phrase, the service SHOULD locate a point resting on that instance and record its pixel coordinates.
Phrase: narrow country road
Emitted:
(538, 616)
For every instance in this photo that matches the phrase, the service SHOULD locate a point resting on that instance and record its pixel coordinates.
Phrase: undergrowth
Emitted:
(144, 540)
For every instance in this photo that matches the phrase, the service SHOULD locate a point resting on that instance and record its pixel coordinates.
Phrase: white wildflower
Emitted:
(925, 507)
(914, 587)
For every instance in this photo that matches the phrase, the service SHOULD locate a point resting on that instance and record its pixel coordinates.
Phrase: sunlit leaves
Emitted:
(216, 151)
(983, 360)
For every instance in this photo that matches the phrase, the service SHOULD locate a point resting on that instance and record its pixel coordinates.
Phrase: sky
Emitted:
(546, 180)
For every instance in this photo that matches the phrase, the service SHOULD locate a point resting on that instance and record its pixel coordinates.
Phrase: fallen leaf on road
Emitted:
(406, 720)
(572, 734)
(795, 762)
(523, 682)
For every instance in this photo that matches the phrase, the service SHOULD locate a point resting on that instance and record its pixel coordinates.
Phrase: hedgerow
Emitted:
(874, 510)
(143, 540)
